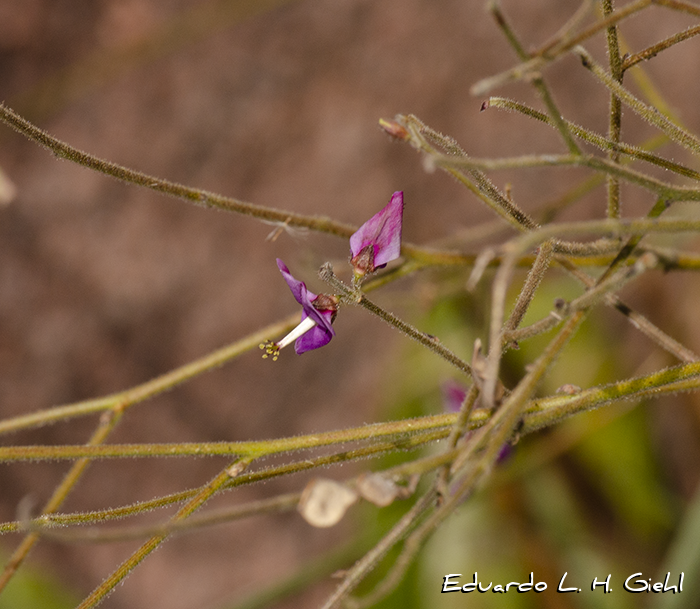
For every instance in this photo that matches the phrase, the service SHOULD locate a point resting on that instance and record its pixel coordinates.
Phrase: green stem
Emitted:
(642, 153)
(44, 528)
(538, 413)
(655, 49)
(500, 426)
(679, 5)
(406, 442)
(192, 195)
(254, 449)
(649, 114)
(104, 589)
(664, 189)
(367, 563)
(420, 137)
(537, 81)
(532, 282)
(355, 296)
(107, 424)
(555, 49)
(615, 113)
(542, 412)
(426, 340)
(201, 197)
(153, 387)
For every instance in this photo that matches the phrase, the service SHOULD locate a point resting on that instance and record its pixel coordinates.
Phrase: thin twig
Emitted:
(648, 113)
(663, 189)
(106, 587)
(252, 449)
(280, 503)
(553, 50)
(655, 49)
(193, 195)
(431, 342)
(479, 184)
(642, 153)
(615, 112)
(537, 80)
(532, 282)
(162, 383)
(679, 5)
(367, 563)
(107, 424)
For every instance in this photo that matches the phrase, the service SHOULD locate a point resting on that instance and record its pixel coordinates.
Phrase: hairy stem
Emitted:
(108, 422)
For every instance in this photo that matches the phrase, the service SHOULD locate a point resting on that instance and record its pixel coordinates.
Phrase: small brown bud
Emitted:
(394, 129)
(363, 263)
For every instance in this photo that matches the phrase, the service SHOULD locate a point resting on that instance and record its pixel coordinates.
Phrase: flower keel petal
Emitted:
(378, 241)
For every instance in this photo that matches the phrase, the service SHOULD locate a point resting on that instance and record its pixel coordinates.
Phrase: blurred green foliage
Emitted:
(587, 498)
(32, 588)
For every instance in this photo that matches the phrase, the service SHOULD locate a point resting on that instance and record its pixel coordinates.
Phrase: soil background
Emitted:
(104, 285)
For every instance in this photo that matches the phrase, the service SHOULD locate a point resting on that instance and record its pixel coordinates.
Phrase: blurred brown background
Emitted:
(103, 285)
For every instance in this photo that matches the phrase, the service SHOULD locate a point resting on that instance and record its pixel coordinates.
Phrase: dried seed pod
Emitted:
(324, 502)
(377, 489)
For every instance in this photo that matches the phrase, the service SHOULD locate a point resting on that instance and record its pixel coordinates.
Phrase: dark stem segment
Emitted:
(193, 195)
(427, 340)
(615, 121)
(655, 49)
(537, 80)
(350, 296)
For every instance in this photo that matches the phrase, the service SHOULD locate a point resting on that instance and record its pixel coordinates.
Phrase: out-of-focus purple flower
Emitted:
(318, 313)
(505, 453)
(453, 395)
(378, 241)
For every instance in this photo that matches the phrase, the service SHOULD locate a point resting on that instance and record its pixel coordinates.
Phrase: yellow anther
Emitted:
(271, 349)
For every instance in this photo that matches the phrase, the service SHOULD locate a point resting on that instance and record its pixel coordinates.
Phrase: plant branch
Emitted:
(652, 51)
(104, 589)
(252, 449)
(162, 383)
(108, 422)
(369, 561)
(615, 113)
(641, 153)
(192, 195)
(555, 49)
(537, 80)
(648, 113)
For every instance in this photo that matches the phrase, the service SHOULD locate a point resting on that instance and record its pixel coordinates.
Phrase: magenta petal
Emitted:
(298, 288)
(322, 333)
(383, 232)
(318, 336)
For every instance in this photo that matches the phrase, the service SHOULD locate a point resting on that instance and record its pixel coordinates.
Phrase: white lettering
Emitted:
(560, 588)
(605, 583)
(641, 583)
(470, 587)
(526, 587)
(446, 582)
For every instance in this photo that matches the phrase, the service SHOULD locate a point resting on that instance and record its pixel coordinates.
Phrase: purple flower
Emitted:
(453, 395)
(318, 313)
(378, 241)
